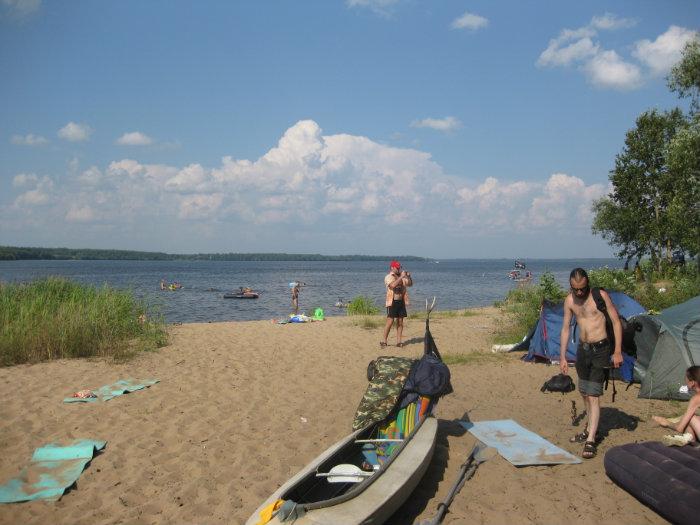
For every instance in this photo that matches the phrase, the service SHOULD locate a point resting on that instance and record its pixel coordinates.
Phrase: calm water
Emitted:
(456, 283)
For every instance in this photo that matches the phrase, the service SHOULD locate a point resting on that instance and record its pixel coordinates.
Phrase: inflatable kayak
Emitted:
(245, 295)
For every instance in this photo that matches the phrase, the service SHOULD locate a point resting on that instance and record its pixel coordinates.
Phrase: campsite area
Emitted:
(241, 406)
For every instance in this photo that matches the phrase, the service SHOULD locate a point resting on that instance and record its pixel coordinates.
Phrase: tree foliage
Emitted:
(684, 78)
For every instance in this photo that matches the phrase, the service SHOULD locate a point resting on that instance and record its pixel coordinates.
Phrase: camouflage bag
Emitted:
(387, 376)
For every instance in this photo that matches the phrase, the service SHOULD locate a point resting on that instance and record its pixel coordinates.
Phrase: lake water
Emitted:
(455, 283)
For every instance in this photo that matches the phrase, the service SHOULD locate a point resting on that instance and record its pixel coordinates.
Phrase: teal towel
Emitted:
(107, 392)
(53, 469)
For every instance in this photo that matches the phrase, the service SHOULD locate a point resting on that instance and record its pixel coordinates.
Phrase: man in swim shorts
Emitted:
(593, 353)
(396, 282)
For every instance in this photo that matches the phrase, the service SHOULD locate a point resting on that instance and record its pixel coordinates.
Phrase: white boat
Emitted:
(365, 499)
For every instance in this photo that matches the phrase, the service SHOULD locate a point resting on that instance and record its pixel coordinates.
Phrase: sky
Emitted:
(445, 129)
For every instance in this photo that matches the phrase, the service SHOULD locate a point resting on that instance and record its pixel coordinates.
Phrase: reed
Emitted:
(362, 305)
(54, 318)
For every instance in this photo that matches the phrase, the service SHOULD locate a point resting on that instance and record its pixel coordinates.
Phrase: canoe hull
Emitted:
(381, 498)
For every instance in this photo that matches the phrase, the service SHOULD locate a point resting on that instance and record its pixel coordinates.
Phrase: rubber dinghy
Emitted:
(366, 476)
(241, 295)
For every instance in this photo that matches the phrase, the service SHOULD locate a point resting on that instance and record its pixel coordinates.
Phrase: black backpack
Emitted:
(559, 383)
(628, 329)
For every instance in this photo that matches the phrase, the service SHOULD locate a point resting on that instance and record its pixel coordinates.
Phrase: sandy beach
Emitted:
(241, 406)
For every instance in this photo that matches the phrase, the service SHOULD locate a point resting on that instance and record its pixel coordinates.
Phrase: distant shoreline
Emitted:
(14, 253)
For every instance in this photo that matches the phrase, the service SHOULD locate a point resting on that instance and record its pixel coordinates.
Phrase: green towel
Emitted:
(107, 392)
(52, 470)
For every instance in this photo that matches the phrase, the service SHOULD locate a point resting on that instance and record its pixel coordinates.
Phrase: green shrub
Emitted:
(54, 318)
(362, 305)
(613, 279)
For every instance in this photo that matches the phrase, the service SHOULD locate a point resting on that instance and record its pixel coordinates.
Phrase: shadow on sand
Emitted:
(428, 486)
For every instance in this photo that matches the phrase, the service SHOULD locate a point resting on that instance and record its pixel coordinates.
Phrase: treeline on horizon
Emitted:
(12, 253)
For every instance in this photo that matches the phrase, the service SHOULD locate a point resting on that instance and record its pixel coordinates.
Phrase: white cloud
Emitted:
(469, 21)
(608, 70)
(610, 21)
(663, 53)
(28, 140)
(381, 7)
(39, 196)
(307, 182)
(77, 213)
(134, 138)
(75, 132)
(440, 124)
(558, 55)
(21, 8)
(24, 179)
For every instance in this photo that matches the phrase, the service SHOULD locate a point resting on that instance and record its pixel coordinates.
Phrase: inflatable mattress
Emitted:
(667, 479)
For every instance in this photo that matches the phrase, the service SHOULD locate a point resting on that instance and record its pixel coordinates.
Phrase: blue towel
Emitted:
(52, 470)
(517, 444)
(107, 392)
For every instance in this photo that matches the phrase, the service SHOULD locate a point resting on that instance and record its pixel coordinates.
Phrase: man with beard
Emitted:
(593, 353)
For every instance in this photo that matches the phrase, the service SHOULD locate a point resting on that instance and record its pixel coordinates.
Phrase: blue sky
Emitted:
(436, 128)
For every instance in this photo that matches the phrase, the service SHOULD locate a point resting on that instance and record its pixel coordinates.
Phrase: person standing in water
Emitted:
(593, 353)
(295, 295)
(397, 281)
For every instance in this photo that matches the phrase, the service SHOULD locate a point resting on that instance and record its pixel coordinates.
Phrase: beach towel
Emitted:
(518, 445)
(107, 392)
(52, 470)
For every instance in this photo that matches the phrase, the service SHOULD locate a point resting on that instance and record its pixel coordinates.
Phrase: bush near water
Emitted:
(55, 318)
(656, 291)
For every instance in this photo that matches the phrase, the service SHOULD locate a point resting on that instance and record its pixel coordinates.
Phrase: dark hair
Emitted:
(693, 373)
(578, 273)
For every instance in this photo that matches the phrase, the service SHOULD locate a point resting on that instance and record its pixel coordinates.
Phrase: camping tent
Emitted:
(666, 346)
(544, 343)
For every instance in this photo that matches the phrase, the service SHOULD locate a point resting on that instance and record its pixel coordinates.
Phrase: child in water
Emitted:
(687, 425)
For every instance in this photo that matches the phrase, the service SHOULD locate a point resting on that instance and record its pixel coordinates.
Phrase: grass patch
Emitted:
(473, 358)
(362, 305)
(443, 314)
(368, 322)
(55, 318)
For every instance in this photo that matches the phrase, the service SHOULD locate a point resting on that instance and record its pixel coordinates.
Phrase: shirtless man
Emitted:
(396, 283)
(593, 353)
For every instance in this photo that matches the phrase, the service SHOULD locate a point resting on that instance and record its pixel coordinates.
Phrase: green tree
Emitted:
(638, 215)
(684, 78)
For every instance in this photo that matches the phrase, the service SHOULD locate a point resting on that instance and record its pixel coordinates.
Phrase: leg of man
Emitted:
(399, 330)
(694, 425)
(593, 417)
(387, 328)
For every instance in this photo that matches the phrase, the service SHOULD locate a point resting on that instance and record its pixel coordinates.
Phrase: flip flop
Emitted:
(400, 345)
(382, 344)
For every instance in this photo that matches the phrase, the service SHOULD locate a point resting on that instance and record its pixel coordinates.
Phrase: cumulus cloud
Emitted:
(439, 124)
(134, 138)
(21, 8)
(308, 180)
(469, 21)
(608, 70)
(28, 140)
(73, 132)
(664, 52)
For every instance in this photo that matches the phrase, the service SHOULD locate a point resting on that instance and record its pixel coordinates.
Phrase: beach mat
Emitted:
(517, 444)
(52, 470)
(107, 392)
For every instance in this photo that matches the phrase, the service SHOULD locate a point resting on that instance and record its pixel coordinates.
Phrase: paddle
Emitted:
(478, 455)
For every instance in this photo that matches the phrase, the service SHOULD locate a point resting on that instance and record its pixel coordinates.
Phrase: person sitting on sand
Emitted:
(688, 426)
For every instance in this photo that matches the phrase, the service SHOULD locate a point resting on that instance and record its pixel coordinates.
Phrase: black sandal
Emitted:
(579, 438)
(589, 450)
(382, 344)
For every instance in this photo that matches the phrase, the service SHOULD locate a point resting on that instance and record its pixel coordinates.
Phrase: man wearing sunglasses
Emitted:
(593, 353)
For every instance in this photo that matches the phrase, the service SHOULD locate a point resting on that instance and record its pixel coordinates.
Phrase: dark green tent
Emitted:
(667, 345)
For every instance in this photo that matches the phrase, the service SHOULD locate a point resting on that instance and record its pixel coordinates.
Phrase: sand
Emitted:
(242, 406)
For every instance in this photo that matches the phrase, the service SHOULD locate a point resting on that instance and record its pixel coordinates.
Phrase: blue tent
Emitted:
(545, 339)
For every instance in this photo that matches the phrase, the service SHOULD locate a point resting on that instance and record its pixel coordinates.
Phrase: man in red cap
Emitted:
(397, 282)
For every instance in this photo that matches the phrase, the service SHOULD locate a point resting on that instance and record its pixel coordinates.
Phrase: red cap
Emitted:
(395, 264)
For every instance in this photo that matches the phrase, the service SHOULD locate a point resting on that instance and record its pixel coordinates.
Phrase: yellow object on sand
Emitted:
(268, 512)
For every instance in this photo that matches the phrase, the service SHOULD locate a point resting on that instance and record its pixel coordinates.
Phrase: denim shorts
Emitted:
(592, 362)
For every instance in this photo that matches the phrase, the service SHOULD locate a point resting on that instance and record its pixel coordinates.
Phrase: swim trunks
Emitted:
(397, 309)
(592, 359)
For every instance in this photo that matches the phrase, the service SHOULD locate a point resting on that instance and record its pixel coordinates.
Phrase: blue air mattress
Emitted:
(667, 479)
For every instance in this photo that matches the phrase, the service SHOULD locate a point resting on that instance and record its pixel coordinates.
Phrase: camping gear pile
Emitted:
(367, 475)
